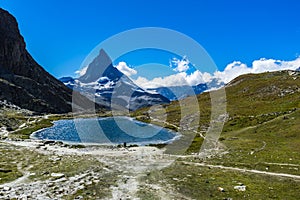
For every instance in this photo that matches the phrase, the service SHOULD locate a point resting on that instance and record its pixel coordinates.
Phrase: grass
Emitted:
(261, 132)
(276, 141)
(26, 132)
(8, 159)
(43, 166)
(202, 183)
(11, 119)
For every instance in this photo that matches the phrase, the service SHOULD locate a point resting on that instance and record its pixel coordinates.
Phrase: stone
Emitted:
(221, 189)
(5, 170)
(81, 187)
(57, 175)
(241, 188)
(6, 188)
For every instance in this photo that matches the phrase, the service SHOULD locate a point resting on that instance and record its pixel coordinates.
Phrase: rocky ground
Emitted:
(98, 172)
(120, 167)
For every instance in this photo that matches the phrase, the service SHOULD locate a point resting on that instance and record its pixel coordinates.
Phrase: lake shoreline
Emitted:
(176, 136)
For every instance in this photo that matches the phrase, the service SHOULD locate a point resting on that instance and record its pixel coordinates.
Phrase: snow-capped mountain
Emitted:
(109, 86)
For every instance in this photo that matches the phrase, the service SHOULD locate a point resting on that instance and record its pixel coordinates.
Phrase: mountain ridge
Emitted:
(23, 81)
(180, 92)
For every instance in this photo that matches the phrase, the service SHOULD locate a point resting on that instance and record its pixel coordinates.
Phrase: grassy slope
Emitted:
(262, 132)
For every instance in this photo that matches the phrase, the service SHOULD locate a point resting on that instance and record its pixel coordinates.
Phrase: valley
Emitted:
(257, 149)
(238, 140)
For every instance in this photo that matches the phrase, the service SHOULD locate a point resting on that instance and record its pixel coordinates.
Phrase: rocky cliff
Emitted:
(23, 81)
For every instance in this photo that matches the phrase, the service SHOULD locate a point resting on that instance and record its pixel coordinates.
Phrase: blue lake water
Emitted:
(110, 130)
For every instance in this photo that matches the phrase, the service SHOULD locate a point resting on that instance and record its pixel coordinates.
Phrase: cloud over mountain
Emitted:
(178, 79)
(237, 68)
(123, 67)
(230, 72)
(81, 72)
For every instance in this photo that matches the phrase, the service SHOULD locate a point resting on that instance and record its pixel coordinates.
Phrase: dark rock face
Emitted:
(101, 66)
(23, 81)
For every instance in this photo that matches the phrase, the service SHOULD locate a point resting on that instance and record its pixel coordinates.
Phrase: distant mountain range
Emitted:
(108, 86)
(181, 92)
(23, 82)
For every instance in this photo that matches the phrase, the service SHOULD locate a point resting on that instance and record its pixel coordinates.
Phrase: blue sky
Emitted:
(60, 33)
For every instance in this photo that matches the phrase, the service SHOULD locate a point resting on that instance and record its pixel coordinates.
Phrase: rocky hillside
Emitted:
(23, 81)
(251, 99)
(259, 142)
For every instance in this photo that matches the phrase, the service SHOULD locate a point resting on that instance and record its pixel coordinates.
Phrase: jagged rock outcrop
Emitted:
(23, 81)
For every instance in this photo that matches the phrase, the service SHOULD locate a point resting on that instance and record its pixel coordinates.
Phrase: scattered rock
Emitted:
(59, 143)
(241, 188)
(9, 128)
(49, 142)
(221, 189)
(81, 187)
(57, 175)
(45, 173)
(6, 188)
(5, 170)
(50, 184)
(55, 158)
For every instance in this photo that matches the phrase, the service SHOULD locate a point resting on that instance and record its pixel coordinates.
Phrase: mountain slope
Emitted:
(23, 81)
(111, 87)
(252, 99)
(261, 134)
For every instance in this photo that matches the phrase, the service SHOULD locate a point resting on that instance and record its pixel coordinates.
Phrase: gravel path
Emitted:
(244, 170)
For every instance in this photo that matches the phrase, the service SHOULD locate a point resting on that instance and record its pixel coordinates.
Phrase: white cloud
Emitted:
(207, 77)
(237, 68)
(178, 79)
(122, 66)
(230, 72)
(263, 65)
(195, 78)
(81, 72)
(180, 65)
